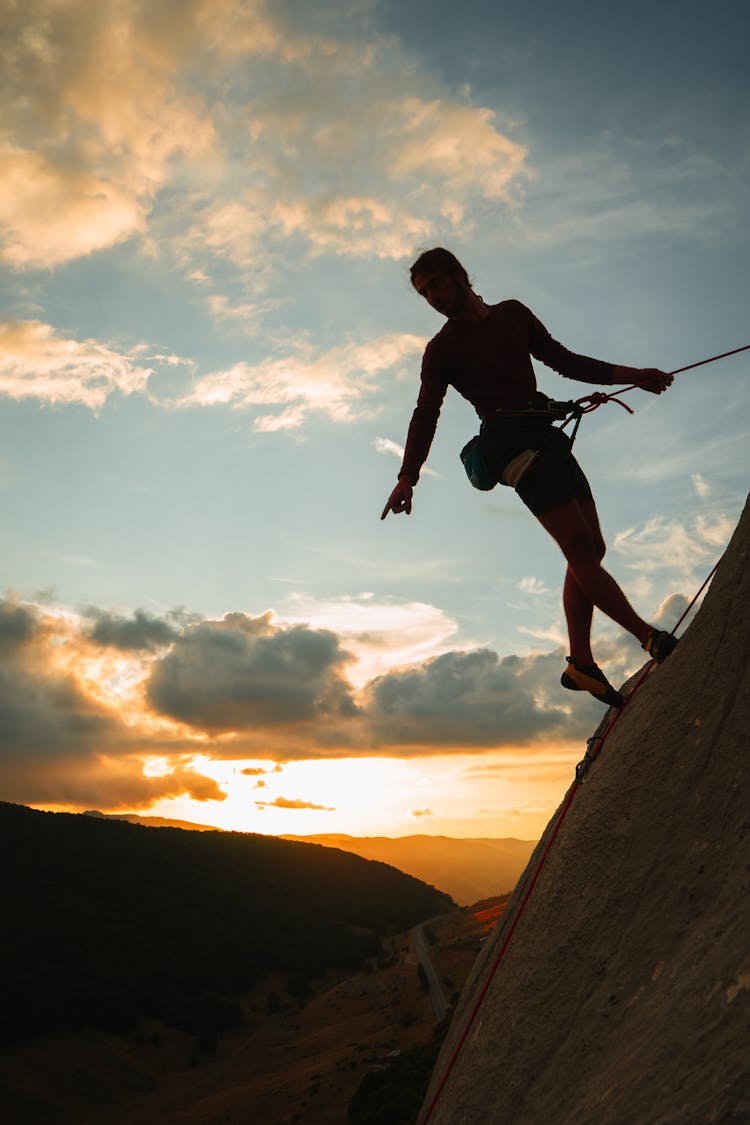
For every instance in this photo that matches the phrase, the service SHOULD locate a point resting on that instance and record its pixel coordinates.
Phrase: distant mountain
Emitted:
(467, 869)
(103, 921)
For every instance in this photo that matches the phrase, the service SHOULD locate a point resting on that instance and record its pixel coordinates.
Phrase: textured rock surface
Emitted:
(624, 995)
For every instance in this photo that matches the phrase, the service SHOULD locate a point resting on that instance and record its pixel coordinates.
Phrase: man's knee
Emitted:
(592, 521)
(583, 545)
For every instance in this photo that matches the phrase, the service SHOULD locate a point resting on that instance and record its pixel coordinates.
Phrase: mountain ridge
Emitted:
(468, 868)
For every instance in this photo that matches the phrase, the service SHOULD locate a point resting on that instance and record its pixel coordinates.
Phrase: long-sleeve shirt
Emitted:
(488, 361)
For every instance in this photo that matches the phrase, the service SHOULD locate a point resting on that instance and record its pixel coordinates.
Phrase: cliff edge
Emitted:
(623, 997)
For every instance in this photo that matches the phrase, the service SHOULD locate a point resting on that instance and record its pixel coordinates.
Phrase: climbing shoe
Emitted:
(590, 678)
(660, 644)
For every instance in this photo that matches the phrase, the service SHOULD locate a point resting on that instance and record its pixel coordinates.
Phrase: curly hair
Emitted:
(440, 260)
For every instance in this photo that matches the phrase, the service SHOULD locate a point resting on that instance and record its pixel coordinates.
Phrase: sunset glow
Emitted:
(210, 352)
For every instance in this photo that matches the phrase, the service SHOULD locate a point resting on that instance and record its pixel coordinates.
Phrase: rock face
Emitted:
(624, 995)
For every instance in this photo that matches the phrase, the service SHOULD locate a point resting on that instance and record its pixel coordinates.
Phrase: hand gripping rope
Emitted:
(594, 748)
(585, 405)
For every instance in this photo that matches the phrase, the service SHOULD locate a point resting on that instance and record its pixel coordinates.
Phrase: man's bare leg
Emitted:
(575, 528)
(579, 609)
(579, 612)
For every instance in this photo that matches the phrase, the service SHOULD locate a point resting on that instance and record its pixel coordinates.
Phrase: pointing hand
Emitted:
(400, 499)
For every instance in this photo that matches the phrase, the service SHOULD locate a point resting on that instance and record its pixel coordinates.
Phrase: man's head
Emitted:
(438, 276)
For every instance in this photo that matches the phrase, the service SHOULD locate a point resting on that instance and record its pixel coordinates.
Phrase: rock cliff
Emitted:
(624, 995)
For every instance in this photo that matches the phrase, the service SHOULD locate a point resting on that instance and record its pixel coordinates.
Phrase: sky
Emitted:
(209, 355)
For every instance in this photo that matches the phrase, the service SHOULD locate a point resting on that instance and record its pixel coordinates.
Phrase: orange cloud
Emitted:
(106, 105)
(35, 362)
(94, 118)
(107, 711)
(336, 383)
(50, 213)
(286, 803)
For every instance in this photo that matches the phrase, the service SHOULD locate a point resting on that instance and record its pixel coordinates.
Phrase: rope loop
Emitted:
(597, 399)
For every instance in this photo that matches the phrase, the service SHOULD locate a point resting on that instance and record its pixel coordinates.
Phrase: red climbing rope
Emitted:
(592, 753)
(585, 405)
(590, 402)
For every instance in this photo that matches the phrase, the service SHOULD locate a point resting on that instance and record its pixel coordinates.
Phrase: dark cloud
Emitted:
(139, 632)
(43, 712)
(472, 699)
(247, 672)
(278, 692)
(111, 783)
(59, 744)
(17, 624)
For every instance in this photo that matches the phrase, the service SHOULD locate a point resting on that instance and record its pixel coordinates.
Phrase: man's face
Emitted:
(447, 294)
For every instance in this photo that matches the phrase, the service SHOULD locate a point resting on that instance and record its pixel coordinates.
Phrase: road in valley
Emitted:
(440, 1005)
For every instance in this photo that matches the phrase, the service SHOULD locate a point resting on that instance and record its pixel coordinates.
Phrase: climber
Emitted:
(484, 351)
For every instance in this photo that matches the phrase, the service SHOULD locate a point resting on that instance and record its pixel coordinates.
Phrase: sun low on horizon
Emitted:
(210, 351)
(465, 797)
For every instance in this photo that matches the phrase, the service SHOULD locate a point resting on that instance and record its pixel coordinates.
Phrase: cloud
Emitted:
(246, 314)
(701, 485)
(43, 710)
(393, 449)
(248, 673)
(94, 117)
(17, 626)
(230, 128)
(458, 144)
(379, 633)
(533, 586)
(36, 362)
(50, 213)
(142, 631)
(335, 383)
(114, 712)
(674, 545)
(386, 175)
(287, 803)
(469, 700)
(671, 611)
(66, 734)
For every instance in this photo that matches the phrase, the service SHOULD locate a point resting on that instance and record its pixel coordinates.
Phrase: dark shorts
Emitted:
(553, 478)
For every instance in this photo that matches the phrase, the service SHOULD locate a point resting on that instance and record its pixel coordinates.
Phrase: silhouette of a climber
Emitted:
(484, 351)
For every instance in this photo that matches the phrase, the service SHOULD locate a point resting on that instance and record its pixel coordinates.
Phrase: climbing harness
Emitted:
(481, 474)
(593, 750)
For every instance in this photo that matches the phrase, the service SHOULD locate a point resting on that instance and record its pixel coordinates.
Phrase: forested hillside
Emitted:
(104, 921)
